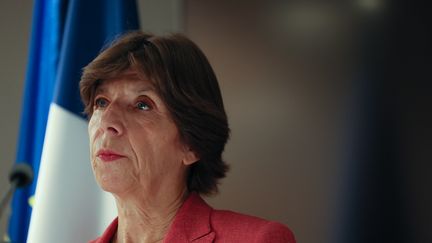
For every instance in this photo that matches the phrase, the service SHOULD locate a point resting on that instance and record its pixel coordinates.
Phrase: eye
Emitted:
(100, 103)
(144, 106)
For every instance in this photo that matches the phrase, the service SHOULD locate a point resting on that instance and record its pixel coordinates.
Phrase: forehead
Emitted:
(127, 80)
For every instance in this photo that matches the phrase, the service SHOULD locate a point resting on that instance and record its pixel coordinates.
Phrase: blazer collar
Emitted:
(192, 222)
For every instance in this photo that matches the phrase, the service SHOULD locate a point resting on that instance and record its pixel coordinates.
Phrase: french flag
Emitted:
(64, 203)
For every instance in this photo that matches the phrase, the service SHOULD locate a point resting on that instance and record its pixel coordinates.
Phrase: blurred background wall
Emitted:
(286, 95)
(330, 125)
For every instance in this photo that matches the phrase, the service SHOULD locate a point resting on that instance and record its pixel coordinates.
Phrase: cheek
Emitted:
(92, 124)
(94, 141)
(93, 127)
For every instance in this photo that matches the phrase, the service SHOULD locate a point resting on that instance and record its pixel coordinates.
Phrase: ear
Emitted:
(190, 156)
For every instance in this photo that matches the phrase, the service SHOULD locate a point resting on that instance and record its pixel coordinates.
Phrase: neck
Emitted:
(147, 219)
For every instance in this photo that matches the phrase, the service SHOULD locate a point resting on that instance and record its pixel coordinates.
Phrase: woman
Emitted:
(157, 132)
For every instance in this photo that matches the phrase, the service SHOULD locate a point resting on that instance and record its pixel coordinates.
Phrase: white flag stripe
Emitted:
(69, 205)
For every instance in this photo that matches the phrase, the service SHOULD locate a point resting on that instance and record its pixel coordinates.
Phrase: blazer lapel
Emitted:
(192, 222)
(208, 238)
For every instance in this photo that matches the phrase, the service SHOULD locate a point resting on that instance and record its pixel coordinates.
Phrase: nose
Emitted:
(112, 120)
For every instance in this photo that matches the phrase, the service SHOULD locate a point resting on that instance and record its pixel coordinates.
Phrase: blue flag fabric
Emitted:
(90, 25)
(66, 35)
(38, 93)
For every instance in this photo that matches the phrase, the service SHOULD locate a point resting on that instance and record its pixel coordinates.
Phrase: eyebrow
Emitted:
(99, 90)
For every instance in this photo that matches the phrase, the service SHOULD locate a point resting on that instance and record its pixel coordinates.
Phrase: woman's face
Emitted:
(134, 143)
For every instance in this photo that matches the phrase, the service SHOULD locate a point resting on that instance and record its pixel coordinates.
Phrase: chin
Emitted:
(112, 184)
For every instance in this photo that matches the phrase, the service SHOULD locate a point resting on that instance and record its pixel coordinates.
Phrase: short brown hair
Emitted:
(188, 86)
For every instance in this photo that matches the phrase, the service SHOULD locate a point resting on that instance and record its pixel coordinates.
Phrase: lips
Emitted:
(108, 155)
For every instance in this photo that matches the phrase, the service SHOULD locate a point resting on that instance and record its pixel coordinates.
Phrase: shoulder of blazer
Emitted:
(235, 227)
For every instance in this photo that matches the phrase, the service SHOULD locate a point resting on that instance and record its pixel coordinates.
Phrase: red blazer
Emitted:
(197, 222)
